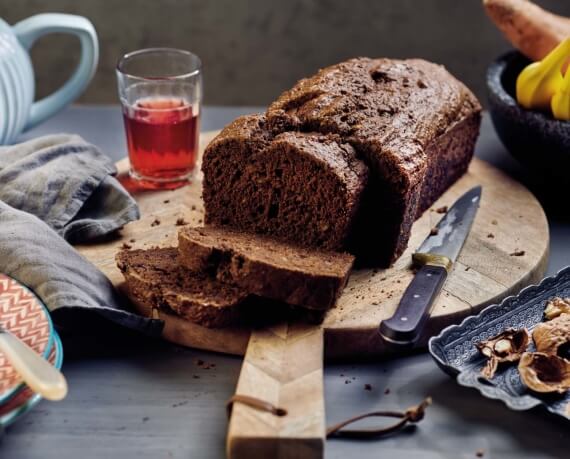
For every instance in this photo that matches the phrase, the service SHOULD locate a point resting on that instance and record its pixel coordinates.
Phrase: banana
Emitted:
(560, 103)
(539, 81)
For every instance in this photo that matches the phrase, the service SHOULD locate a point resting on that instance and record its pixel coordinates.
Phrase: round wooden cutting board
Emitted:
(507, 249)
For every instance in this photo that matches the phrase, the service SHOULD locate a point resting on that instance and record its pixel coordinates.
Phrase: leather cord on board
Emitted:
(256, 403)
(412, 415)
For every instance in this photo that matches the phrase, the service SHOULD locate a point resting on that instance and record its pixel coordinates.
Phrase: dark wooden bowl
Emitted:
(535, 138)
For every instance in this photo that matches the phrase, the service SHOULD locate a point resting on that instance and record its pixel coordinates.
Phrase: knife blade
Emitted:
(435, 256)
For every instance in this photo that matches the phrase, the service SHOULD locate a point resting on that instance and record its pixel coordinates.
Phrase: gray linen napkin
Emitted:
(66, 182)
(35, 255)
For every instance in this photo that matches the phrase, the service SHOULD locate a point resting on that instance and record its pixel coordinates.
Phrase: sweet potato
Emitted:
(532, 30)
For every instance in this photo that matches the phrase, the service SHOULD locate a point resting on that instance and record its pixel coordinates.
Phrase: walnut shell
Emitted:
(507, 346)
(550, 336)
(544, 373)
(555, 307)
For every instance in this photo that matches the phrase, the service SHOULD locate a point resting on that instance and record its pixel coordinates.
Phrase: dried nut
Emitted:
(490, 368)
(486, 351)
(544, 373)
(551, 337)
(555, 307)
(503, 346)
(507, 346)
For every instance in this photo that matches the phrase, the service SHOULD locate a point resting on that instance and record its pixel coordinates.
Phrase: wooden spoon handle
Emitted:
(38, 373)
(283, 367)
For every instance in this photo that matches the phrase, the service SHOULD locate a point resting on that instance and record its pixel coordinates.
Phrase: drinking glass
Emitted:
(161, 93)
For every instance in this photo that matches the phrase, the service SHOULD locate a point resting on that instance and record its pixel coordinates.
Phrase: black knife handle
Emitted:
(407, 322)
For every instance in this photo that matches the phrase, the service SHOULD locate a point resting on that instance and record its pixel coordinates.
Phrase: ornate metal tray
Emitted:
(454, 348)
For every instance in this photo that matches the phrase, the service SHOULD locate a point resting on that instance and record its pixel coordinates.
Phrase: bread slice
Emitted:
(266, 267)
(156, 280)
(299, 187)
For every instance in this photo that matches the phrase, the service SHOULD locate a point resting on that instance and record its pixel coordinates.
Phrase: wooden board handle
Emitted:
(283, 366)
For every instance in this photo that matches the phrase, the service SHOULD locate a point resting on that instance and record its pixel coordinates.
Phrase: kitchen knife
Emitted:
(37, 372)
(435, 257)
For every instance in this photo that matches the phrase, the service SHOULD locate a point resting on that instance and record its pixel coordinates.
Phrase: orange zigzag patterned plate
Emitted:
(24, 316)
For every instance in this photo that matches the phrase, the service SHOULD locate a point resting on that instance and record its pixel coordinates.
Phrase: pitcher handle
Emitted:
(32, 28)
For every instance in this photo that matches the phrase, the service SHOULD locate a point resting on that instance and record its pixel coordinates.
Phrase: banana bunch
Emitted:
(542, 85)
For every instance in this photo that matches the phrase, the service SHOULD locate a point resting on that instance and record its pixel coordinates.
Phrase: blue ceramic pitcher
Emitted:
(18, 111)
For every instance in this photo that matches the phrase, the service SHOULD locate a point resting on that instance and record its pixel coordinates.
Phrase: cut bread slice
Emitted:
(300, 187)
(266, 267)
(156, 280)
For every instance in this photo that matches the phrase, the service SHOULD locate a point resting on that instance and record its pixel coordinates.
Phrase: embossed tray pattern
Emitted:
(454, 348)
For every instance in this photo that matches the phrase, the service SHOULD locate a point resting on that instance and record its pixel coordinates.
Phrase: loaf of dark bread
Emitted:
(411, 122)
(296, 186)
(156, 280)
(268, 268)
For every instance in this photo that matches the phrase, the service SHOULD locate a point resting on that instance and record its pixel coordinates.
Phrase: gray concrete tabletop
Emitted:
(133, 397)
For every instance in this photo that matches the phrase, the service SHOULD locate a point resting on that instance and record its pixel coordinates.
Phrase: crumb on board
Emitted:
(491, 236)
(204, 365)
(480, 452)
(494, 222)
(367, 386)
(126, 246)
(347, 381)
(193, 207)
(133, 240)
(467, 268)
(433, 232)
(387, 391)
(155, 222)
(517, 253)
(441, 210)
(166, 201)
(181, 222)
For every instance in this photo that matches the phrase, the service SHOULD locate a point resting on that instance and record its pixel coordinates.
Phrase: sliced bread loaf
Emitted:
(156, 280)
(266, 267)
(411, 123)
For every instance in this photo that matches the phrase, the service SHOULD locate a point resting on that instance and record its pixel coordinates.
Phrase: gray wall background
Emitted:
(254, 49)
